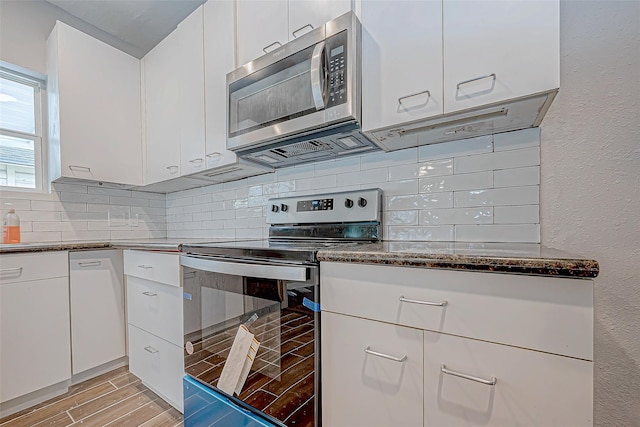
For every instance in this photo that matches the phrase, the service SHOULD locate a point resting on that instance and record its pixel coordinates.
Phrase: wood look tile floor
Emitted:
(117, 398)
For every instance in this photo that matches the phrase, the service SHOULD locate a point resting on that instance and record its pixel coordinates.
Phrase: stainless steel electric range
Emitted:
(272, 288)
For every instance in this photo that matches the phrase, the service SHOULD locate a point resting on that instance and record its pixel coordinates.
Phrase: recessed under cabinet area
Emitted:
(455, 348)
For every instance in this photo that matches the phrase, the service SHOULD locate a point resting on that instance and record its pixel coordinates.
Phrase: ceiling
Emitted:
(141, 24)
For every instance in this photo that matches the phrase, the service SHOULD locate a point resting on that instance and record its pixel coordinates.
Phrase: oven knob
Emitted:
(362, 202)
(274, 208)
(348, 203)
(284, 207)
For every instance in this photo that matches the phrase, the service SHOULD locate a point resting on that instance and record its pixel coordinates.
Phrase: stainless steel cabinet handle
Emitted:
(385, 356)
(77, 167)
(300, 29)
(149, 294)
(415, 301)
(172, 168)
(476, 79)
(266, 48)
(17, 270)
(145, 266)
(215, 154)
(491, 381)
(414, 94)
(151, 349)
(317, 74)
(198, 160)
(90, 263)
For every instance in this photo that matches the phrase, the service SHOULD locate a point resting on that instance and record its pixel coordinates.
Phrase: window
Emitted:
(20, 131)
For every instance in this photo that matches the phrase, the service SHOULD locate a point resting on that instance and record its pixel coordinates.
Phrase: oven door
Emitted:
(278, 302)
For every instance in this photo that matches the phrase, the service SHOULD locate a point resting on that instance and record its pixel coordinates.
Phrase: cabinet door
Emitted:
(219, 42)
(304, 16)
(99, 109)
(162, 110)
(97, 308)
(365, 389)
(190, 57)
(261, 26)
(497, 50)
(35, 346)
(532, 388)
(401, 62)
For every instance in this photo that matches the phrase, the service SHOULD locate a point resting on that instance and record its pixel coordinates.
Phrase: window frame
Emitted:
(38, 83)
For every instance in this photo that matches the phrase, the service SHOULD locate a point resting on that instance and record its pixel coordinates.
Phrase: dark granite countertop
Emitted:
(514, 258)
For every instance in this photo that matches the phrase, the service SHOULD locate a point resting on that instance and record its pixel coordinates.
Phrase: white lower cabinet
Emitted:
(542, 367)
(155, 317)
(35, 347)
(380, 388)
(531, 388)
(158, 363)
(97, 308)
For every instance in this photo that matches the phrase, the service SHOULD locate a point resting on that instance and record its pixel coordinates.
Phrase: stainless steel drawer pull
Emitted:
(414, 94)
(17, 270)
(476, 79)
(151, 349)
(415, 301)
(149, 294)
(491, 381)
(90, 263)
(266, 48)
(173, 168)
(385, 356)
(300, 29)
(198, 160)
(77, 167)
(145, 266)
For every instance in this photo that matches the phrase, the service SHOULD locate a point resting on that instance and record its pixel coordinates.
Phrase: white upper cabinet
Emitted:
(261, 26)
(401, 62)
(95, 120)
(161, 95)
(174, 102)
(265, 25)
(219, 36)
(499, 50)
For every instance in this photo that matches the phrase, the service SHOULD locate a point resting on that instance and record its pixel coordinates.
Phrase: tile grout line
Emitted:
(113, 404)
(72, 420)
(134, 410)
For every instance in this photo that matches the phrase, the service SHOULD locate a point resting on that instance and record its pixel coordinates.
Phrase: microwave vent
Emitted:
(301, 148)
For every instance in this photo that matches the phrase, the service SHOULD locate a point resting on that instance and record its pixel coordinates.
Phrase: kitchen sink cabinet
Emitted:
(174, 102)
(529, 333)
(155, 321)
(495, 51)
(94, 129)
(35, 347)
(263, 26)
(97, 308)
(401, 62)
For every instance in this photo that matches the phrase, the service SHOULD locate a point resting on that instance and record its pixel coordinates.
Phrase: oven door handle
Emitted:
(263, 271)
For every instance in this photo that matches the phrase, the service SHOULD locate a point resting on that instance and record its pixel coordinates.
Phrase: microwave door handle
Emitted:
(318, 76)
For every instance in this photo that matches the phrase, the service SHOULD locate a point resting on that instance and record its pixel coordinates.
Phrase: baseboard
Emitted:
(99, 370)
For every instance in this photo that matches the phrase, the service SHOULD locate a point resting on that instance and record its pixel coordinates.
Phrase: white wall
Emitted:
(590, 185)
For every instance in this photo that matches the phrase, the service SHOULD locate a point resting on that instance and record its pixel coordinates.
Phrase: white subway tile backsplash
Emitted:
(60, 226)
(41, 236)
(394, 188)
(498, 160)
(465, 147)
(529, 214)
(58, 206)
(456, 216)
(442, 233)
(332, 167)
(116, 200)
(465, 181)
(528, 233)
(108, 191)
(84, 198)
(17, 204)
(319, 182)
(70, 188)
(419, 170)
(516, 177)
(509, 196)
(401, 217)
(517, 139)
(98, 236)
(261, 179)
(297, 172)
(382, 159)
(369, 176)
(420, 201)
(234, 185)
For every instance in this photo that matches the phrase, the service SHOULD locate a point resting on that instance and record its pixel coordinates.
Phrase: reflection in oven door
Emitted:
(281, 382)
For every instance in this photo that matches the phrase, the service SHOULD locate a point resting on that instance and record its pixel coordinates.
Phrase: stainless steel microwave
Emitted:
(302, 101)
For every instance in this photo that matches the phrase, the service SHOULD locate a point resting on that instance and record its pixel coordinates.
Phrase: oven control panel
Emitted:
(348, 206)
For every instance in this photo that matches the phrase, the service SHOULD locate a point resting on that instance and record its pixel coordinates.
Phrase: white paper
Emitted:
(238, 364)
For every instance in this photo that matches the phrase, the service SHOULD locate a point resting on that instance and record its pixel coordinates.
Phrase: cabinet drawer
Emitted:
(33, 266)
(549, 314)
(364, 389)
(156, 308)
(158, 363)
(532, 388)
(159, 267)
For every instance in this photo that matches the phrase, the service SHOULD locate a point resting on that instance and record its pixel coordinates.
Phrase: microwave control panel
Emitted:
(337, 67)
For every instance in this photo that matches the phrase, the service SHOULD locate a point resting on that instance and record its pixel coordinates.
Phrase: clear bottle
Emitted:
(11, 228)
